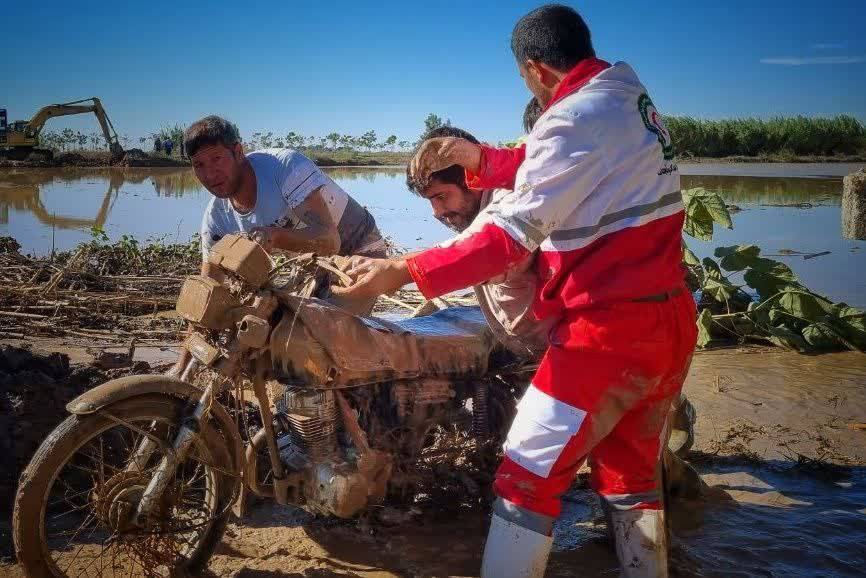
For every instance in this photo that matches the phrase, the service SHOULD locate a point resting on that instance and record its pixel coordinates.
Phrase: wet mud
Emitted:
(785, 491)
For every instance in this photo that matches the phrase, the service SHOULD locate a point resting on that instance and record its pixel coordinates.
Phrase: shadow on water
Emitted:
(773, 520)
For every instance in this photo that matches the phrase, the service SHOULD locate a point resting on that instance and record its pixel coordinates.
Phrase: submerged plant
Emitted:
(748, 297)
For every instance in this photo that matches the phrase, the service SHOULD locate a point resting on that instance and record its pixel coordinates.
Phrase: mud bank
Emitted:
(139, 158)
(34, 389)
(131, 158)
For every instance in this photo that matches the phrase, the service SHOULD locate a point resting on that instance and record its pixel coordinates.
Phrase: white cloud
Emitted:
(827, 46)
(814, 60)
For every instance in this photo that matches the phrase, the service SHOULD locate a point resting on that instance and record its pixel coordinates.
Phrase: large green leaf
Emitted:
(719, 289)
(851, 322)
(711, 268)
(705, 323)
(822, 336)
(784, 337)
(689, 257)
(843, 311)
(804, 305)
(737, 257)
(768, 277)
(703, 208)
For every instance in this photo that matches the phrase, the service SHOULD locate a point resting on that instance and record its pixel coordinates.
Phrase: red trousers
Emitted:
(602, 392)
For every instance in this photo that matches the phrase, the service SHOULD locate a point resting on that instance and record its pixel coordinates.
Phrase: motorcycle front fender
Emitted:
(123, 388)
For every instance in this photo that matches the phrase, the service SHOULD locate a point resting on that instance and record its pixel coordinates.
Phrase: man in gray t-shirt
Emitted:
(279, 195)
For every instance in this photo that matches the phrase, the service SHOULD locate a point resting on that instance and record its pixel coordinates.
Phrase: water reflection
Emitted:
(20, 191)
(770, 190)
(368, 174)
(45, 208)
(48, 208)
(171, 183)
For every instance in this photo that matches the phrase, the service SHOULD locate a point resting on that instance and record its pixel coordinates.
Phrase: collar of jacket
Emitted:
(577, 78)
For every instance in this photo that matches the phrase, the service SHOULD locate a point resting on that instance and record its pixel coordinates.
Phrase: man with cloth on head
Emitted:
(596, 193)
(506, 300)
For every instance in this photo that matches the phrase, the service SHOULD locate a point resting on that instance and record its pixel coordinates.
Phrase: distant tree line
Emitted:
(692, 137)
(67, 140)
(798, 135)
(369, 141)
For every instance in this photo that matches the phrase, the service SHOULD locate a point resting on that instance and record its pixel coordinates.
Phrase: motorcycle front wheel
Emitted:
(75, 504)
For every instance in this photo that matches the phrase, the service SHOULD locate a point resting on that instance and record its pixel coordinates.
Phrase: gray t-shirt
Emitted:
(284, 180)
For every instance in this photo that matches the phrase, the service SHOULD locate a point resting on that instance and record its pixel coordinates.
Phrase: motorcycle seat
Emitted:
(319, 344)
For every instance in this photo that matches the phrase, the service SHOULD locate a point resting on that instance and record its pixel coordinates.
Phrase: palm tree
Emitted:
(334, 137)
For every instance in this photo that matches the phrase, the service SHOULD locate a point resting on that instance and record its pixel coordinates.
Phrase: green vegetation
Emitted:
(128, 256)
(69, 140)
(776, 139)
(777, 307)
(780, 136)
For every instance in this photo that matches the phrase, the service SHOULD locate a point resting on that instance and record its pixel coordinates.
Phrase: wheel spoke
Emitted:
(84, 525)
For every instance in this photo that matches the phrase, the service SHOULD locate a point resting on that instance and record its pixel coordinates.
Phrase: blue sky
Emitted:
(328, 66)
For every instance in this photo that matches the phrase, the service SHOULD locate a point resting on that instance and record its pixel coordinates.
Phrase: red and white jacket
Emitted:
(598, 192)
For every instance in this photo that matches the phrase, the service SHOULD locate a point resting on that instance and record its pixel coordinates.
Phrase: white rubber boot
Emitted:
(641, 543)
(513, 551)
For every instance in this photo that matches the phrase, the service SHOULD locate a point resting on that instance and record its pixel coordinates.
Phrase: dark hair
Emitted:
(210, 130)
(453, 175)
(553, 34)
(531, 113)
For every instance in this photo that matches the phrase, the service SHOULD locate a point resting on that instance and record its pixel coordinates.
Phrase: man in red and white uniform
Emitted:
(596, 192)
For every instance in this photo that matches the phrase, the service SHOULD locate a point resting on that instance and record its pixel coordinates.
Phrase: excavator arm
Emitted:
(34, 127)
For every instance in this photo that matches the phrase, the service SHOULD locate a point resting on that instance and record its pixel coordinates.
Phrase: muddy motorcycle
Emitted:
(285, 396)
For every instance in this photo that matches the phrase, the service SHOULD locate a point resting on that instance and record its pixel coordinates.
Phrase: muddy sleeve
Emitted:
(498, 168)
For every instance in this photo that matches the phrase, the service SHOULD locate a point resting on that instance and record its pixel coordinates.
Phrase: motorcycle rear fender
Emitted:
(123, 388)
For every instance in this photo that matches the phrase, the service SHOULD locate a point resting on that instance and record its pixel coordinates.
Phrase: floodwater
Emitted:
(45, 208)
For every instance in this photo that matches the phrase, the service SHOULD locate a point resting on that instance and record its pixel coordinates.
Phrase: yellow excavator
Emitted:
(19, 140)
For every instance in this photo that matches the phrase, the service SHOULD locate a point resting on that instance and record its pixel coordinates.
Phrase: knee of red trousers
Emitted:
(623, 490)
(628, 479)
(626, 491)
(530, 491)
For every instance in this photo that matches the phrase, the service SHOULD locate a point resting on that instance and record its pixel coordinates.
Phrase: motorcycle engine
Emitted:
(331, 483)
(310, 418)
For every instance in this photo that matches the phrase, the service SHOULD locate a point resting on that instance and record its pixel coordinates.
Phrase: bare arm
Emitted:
(320, 234)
